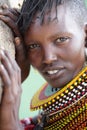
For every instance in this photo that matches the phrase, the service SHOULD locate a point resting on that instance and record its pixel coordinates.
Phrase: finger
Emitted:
(9, 14)
(11, 24)
(4, 6)
(11, 60)
(11, 67)
(14, 66)
(6, 63)
(4, 76)
(15, 11)
(7, 20)
(7, 96)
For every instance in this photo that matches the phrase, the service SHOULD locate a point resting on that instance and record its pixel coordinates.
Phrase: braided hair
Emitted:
(31, 7)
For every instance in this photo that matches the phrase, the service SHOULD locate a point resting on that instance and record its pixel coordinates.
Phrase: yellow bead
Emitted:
(66, 91)
(49, 103)
(80, 79)
(53, 100)
(86, 105)
(41, 107)
(57, 97)
(71, 87)
(84, 75)
(75, 83)
(45, 105)
(62, 94)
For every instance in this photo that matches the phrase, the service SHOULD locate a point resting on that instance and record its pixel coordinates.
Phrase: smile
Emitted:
(54, 73)
(51, 72)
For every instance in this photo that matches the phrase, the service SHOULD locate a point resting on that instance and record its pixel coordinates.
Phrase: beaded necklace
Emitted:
(67, 108)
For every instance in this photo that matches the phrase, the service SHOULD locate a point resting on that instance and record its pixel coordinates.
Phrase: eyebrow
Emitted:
(52, 37)
(60, 34)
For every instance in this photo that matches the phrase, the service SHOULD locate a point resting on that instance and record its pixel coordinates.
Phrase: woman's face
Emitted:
(56, 49)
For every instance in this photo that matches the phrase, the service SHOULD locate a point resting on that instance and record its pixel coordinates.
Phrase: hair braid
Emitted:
(31, 7)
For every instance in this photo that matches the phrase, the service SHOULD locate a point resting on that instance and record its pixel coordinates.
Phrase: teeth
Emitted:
(52, 71)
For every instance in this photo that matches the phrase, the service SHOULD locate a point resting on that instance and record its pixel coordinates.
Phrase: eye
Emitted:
(33, 46)
(62, 39)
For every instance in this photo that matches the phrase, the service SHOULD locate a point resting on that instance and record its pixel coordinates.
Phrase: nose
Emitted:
(49, 56)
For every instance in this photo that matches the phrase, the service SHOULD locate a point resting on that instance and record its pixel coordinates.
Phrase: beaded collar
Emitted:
(67, 108)
(70, 93)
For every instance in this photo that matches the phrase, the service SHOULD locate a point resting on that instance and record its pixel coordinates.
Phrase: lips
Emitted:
(53, 73)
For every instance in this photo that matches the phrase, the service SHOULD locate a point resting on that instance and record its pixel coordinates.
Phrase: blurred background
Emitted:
(31, 84)
(15, 3)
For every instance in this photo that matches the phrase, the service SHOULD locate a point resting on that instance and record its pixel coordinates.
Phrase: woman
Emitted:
(55, 35)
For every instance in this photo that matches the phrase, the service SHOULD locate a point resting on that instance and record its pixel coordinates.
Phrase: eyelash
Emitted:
(33, 46)
(62, 39)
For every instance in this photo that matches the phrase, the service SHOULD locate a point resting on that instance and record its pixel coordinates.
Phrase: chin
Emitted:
(60, 83)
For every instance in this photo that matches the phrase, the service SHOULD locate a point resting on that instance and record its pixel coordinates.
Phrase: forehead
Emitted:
(49, 16)
(64, 21)
(60, 16)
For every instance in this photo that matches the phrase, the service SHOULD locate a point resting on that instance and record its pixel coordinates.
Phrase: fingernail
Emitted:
(5, 6)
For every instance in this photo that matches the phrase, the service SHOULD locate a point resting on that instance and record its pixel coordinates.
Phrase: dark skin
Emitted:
(53, 50)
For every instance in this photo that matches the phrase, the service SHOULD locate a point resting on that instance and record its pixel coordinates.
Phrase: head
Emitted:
(54, 32)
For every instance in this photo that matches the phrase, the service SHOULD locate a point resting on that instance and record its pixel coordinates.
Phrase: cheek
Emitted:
(35, 59)
(75, 50)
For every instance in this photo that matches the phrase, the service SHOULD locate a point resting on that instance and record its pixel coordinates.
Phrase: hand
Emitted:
(9, 108)
(10, 16)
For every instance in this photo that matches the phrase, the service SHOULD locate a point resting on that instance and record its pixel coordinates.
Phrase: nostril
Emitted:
(49, 63)
(49, 60)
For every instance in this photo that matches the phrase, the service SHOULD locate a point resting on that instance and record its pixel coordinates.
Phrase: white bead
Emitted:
(80, 87)
(79, 93)
(72, 94)
(60, 99)
(67, 98)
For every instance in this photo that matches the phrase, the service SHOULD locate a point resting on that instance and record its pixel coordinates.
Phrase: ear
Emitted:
(85, 28)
